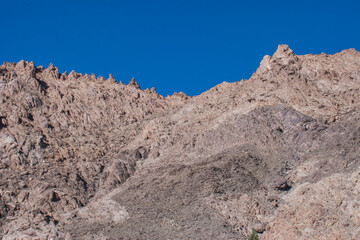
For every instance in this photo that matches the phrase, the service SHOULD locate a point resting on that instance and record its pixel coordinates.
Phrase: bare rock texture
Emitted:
(83, 157)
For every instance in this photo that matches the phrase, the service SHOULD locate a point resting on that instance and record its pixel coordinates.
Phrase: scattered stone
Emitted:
(280, 183)
(260, 227)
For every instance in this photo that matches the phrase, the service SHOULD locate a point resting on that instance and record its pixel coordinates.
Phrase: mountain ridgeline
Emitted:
(84, 157)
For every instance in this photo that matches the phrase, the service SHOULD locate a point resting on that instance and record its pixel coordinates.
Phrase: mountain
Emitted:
(84, 157)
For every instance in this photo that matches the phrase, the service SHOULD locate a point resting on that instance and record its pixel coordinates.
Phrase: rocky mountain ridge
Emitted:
(83, 157)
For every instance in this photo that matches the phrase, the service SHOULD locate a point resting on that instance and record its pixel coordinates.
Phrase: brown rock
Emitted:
(133, 83)
(260, 227)
(111, 79)
(74, 154)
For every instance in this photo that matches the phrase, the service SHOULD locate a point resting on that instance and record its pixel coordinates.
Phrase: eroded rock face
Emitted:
(83, 157)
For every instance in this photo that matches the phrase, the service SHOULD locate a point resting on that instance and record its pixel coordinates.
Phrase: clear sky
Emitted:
(173, 45)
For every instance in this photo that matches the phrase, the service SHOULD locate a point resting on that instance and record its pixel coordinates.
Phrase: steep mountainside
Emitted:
(83, 157)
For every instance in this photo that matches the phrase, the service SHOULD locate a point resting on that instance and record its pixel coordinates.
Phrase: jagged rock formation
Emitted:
(82, 157)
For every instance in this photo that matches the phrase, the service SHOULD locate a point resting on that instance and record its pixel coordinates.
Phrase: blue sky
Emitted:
(187, 46)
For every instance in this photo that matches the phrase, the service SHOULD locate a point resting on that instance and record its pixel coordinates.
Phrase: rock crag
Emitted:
(84, 157)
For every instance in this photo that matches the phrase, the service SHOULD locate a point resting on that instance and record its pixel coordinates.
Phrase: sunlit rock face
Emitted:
(85, 157)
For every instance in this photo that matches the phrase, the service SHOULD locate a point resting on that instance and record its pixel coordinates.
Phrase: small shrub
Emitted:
(253, 236)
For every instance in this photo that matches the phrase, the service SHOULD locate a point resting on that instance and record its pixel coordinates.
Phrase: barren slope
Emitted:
(87, 158)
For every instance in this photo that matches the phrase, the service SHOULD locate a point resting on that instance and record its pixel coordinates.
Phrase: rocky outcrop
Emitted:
(82, 157)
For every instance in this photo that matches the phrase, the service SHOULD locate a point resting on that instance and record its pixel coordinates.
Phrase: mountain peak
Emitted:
(133, 83)
(284, 55)
(111, 79)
